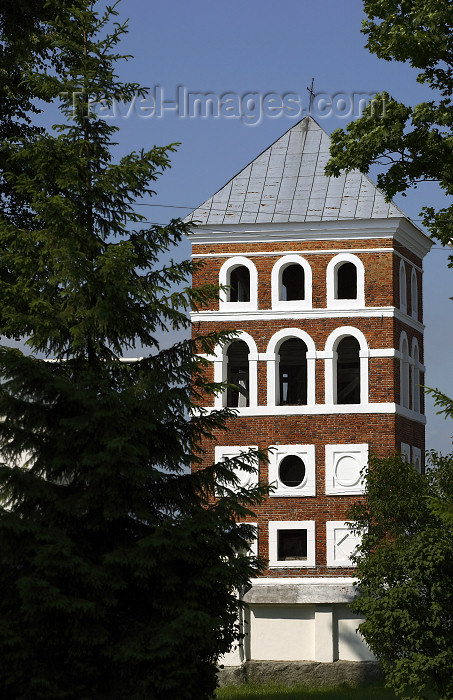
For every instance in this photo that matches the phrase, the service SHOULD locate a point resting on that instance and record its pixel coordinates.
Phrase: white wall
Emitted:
(300, 632)
(279, 632)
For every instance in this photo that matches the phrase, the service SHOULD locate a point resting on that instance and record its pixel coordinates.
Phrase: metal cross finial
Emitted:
(312, 95)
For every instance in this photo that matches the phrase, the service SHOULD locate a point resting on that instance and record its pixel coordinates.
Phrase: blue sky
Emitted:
(266, 47)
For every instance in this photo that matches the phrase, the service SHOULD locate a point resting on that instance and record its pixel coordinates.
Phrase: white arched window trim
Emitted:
(276, 283)
(330, 355)
(415, 376)
(220, 369)
(224, 279)
(404, 371)
(403, 287)
(414, 295)
(331, 279)
(272, 363)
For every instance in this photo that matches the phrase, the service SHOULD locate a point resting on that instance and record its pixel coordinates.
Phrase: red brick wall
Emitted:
(382, 432)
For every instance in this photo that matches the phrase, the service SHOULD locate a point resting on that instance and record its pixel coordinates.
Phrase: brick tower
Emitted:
(325, 287)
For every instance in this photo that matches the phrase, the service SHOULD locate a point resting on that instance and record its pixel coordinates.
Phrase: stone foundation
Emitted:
(310, 673)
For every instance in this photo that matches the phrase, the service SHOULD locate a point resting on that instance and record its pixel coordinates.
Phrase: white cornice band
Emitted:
(308, 314)
(325, 410)
(400, 229)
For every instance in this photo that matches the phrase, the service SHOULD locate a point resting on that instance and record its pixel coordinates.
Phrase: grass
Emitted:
(300, 692)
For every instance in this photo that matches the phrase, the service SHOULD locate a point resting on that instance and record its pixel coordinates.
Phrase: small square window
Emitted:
(292, 543)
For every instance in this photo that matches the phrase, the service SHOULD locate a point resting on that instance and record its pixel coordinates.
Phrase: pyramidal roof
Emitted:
(287, 183)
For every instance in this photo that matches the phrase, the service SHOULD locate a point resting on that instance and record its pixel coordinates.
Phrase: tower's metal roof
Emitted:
(287, 183)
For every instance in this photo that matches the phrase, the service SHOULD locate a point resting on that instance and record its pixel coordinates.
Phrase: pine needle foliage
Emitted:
(118, 568)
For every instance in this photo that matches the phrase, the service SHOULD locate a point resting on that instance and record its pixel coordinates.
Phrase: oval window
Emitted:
(292, 471)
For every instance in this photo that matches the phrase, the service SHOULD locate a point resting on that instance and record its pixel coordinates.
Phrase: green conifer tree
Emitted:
(118, 568)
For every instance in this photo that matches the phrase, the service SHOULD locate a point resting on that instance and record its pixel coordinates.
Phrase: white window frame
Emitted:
(334, 455)
(272, 356)
(309, 526)
(403, 287)
(336, 528)
(331, 357)
(415, 376)
(414, 295)
(224, 279)
(277, 287)
(305, 452)
(404, 371)
(246, 479)
(331, 279)
(220, 360)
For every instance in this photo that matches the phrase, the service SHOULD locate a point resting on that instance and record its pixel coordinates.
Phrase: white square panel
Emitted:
(417, 459)
(344, 465)
(406, 451)
(292, 470)
(245, 478)
(341, 543)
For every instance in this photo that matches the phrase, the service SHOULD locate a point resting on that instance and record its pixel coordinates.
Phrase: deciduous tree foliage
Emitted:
(415, 143)
(405, 571)
(404, 564)
(118, 570)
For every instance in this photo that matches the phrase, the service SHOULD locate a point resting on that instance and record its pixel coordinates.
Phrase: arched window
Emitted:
(239, 277)
(404, 371)
(345, 282)
(348, 371)
(416, 389)
(290, 357)
(238, 374)
(293, 373)
(239, 284)
(293, 283)
(346, 368)
(414, 295)
(237, 364)
(403, 287)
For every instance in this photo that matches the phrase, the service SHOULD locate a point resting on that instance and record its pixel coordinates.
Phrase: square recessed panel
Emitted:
(417, 459)
(344, 465)
(406, 451)
(253, 542)
(341, 544)
(245, 478)
(292, 543)
(292, 470)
